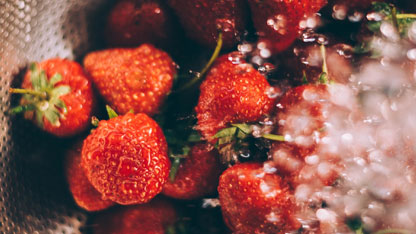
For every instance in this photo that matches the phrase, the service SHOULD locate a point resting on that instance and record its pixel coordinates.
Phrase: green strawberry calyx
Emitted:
(44, 97)
(241, 131)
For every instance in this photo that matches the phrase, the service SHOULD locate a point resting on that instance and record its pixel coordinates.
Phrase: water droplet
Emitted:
(245, 48)
(273, 92)
(265, 53)
(266, 68)
(389, 31)
(257, 60)
(277, 23)
(339, 12)
(344, 50)
(412, 32)
(309, 36)
(411, 54)
(225, 25)
(236, 57)
(356, 16)
(322, 40)
(374, 16)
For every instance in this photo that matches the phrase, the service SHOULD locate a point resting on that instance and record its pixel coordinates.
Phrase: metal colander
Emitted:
(33, 195)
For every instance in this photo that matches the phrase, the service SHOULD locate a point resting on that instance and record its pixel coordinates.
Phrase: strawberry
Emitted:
(203, 19)
(125, 158)
(308, 116)
(197, 175)
(58, 97)
(134, 22)
(132, 79)
(254, 201)
(233, 92)
(277, 22)
(82, 191)
(154, 217)
(300, 117)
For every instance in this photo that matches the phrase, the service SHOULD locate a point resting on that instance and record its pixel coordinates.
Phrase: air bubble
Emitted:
(389, 31)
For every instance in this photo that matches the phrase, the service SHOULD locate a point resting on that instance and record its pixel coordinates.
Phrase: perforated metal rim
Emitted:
(33, 194)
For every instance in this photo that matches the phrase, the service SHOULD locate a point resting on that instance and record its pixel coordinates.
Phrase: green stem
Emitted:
(43, 95)
(199, 76)
(323, 79)
(274, 137)
(390, 231)
(394, 17)
(406, 16)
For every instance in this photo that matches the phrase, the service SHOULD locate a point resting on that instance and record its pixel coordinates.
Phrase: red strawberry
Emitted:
(310, 117)
(150, 218)
(134, 22)
(132, 79)
(125, 159)
(82, 191)
(233, 92)
(300, 117)
(203, 19)
(58, 97)
(316, 169)
(277, 22)
(197, 175)
(254, 201)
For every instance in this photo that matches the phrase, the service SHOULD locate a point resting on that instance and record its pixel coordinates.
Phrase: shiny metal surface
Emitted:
(33, 194)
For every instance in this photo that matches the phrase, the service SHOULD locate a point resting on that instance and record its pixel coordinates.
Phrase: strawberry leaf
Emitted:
(381, 7)
(111, 113)
(39, 117)
(226, 132)
(43, 80)
(245, 128)
(60, 104)
(55, 79)
(224, 140)
(35, 78)
(52, 115)
(60, 90)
